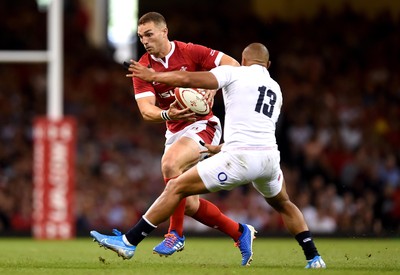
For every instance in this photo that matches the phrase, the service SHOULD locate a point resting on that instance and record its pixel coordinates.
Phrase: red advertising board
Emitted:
(54, 172)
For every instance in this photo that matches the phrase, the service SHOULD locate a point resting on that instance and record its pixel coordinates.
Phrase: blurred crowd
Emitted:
(339, 131)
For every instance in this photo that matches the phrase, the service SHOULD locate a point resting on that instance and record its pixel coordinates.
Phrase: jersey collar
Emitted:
(164, 61)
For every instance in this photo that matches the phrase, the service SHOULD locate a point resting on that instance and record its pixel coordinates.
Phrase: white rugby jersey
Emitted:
(253, 102)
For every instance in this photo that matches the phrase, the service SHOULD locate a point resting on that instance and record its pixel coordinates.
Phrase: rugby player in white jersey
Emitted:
(253, 102)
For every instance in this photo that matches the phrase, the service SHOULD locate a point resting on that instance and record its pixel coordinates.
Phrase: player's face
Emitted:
(153, 37)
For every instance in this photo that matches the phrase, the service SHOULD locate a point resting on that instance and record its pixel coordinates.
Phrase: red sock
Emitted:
(210, 215)
(176, 220)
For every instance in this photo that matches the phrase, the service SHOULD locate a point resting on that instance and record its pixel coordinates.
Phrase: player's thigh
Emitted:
(267, 187)
(183, 148)
(224, 171)
(188, 184)
(180, 155)
(269, 183)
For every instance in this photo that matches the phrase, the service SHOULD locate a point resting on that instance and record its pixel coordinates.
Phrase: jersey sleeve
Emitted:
(142, 88)
(206, 57)
(223, 75)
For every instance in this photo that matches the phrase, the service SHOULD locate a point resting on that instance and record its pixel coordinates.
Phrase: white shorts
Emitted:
(207, 131)
(229, 169)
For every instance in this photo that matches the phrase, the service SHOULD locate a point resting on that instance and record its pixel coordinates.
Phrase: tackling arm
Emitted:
(205, 80)
(225, 60)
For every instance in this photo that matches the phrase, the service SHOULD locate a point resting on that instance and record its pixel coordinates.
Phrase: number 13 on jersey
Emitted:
(267, 107)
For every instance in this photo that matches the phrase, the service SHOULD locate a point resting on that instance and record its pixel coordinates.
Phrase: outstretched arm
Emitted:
(205, 80)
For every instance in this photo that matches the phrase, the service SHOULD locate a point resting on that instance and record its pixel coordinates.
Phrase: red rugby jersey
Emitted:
(183, 56)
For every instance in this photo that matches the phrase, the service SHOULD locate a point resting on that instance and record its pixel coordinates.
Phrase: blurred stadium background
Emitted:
(339, 132)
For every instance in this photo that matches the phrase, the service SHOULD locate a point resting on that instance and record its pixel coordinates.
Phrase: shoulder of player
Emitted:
(180, 43)
(188, 45)
(230, 68)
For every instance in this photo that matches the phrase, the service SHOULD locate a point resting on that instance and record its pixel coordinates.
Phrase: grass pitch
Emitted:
(200, 256)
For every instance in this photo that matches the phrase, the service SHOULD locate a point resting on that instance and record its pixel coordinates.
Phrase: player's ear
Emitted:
(243, 61)
(268, 64)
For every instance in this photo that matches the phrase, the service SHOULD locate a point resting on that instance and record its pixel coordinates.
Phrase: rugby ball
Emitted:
(193, 99)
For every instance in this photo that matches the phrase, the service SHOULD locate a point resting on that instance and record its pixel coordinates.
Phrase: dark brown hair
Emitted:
(155, 17)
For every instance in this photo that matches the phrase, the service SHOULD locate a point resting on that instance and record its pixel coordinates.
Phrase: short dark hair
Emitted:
(152, 16)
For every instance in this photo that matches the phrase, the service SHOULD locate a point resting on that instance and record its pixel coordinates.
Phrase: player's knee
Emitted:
(192, 205)
(279, 203)
(177, 188)
(168, 168)
(172, 167)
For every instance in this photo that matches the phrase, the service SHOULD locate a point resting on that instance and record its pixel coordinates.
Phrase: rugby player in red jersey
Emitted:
(185, 130)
